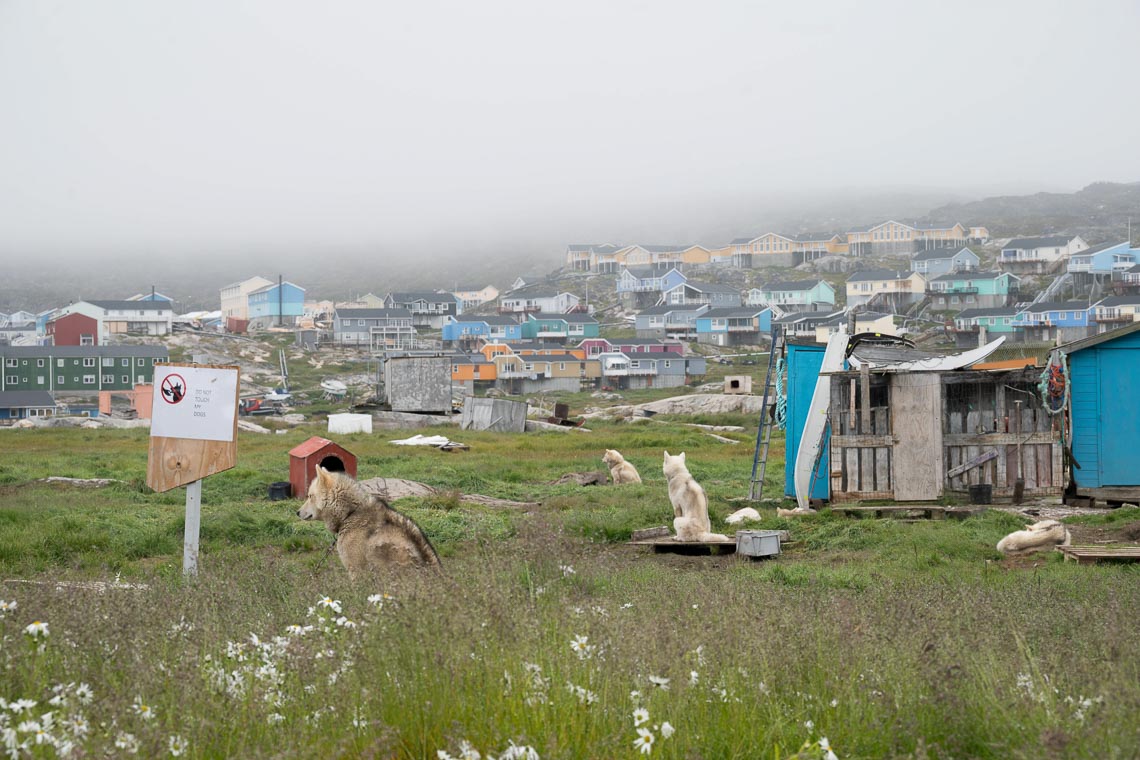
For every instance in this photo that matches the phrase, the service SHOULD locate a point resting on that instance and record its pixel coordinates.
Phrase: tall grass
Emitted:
(889, 639)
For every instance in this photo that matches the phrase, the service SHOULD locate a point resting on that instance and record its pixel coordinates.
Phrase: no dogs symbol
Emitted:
(173, 388)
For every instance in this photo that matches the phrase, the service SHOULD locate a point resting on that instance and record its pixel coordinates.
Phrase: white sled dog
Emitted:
(620, 470)
(690, 505)
(370, 535)
(1037, 537)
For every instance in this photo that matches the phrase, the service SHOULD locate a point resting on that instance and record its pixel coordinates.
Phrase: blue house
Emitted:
(743, 325)
(1049, 320)
(276, 304)
(469, 330)
(1103, 259)
(936, 262)
(649, 279)
(1104, 383)
(18, 405)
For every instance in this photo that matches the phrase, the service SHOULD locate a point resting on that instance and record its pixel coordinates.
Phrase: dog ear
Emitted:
(666, 455)
(682, 456)
(325, 476)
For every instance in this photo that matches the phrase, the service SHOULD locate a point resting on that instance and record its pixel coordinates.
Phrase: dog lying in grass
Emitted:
(370, 535)
(690, 504)
(621, 471)
(1039, 536)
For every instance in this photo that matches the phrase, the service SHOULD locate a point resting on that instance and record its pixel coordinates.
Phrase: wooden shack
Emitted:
(917, 435)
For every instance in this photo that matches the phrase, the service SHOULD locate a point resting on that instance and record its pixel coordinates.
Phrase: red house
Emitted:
(73, 329)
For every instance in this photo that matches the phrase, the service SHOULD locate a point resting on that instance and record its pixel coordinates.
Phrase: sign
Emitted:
(193, 434)
(194, 402)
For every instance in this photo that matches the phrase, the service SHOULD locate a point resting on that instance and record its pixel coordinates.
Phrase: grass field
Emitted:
(878, 638)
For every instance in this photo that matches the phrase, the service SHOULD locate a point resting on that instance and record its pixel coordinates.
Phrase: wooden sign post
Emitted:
(193, 434)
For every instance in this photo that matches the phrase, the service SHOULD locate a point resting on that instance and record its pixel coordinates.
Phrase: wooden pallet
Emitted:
(662, 541)
(929, 511)
(1089, 555)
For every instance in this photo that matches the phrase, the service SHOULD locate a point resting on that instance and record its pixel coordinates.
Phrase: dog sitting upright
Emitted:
(1039, 536)
(370, 535)
(690, 505)
(620, 470)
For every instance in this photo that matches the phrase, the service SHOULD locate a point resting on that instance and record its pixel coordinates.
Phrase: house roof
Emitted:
(790, 285)
(1055, 241)
(422, 295)
(83, 352)
(708, 287)
(1056, 306)
(973, 276)
(734, 311)
(743, 240)
(814, 237)
(1133, 300)
(131, 305)
(576, 317)
(819, 317)
(533, 291)
(373, 313)
(669, 308)
(271, 286)
(25, 399)
(942, 252)
(645, 271)
(664, 248)
(930, 226)
(312, 446)
(878, 274)
(1000, 311)
(1100, 247)
(1078, 345)
(594, 247)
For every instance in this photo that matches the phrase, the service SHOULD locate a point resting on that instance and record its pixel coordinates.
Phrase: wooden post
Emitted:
(865, 398)
(193, 528)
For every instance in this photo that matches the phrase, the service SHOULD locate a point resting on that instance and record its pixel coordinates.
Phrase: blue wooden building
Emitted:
(1104, 385)
(276, 305)
(804, 361)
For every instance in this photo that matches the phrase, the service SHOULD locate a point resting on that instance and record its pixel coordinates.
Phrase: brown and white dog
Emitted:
(620, 470)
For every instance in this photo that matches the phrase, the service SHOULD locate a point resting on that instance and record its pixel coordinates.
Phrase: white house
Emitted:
(126, 317)
(235, 297)
(538, 299)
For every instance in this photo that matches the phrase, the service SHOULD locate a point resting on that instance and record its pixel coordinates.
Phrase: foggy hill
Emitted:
(1097, 213)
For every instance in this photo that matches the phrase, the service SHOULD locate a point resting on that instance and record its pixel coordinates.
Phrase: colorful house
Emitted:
(669, 321)
(1066, 320)
(738, 326)
(235, 297)
(1116, 311)
(378, 329)
(794, 295)
(865, 322)
(935, 262)
(544, 372)
(74, 329)
(429, 309)
(469, 296)
(966, 290)
(468, 369)
(1103, 259)
(885, 288)
(712, 293)
(969, 324)
(560, 327)
(276, 305)
(18, 405)
(1038, 255)
(538, 299)
(595, 346)
(470, 330)
(78, 369)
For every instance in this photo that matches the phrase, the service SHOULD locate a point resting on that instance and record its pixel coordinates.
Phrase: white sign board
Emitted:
(198, 403)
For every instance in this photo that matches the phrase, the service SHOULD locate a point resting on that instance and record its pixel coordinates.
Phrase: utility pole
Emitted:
(280, 301)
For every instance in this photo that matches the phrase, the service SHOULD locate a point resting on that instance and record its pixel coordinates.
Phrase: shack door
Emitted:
(1119, 414)
(916, 421)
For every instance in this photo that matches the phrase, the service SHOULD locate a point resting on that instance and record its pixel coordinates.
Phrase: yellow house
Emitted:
(885, 286)
(867, 321)
(938, 236)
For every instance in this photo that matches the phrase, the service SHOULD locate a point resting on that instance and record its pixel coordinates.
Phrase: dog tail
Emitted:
(416, 534)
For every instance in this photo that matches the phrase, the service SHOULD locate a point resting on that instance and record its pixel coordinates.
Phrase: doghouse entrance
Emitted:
(332, 464)
(734, 384)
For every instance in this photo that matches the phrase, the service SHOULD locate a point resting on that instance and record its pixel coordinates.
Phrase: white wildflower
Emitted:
(330, 604)
(467, 751)
(644, 741)
(143, 710)
(275, 718)
(566, 570)
(127, 742)
(809, 725)
(667, 730)
(660, 682)
(177, 745)
(635, 696)
(694, 677)
(640, 716)
(519, 752)
(37, 630)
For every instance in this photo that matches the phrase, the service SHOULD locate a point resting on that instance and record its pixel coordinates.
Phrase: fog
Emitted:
(409, 133)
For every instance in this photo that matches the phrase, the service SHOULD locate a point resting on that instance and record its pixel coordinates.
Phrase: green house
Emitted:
(78, 369)
(560, 327)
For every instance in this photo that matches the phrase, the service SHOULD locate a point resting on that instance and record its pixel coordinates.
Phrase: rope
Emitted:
(781, 395)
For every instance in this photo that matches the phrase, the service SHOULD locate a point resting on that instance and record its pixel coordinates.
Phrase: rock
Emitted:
(251, 427)
(582, 479)
(534, 426)
(695, 403)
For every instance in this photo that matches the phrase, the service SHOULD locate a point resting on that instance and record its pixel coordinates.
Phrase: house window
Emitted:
(126, 379)
(12, 380)
(140, 362)
(360, 323)
(668, 363)
(89, 362)
(39, 362)
(59, 363)
(40, 380)
(454, 369)
(11, 363)
(346, 323)
(59, 379)
(125, 362)
(108, 362)
(88, 379)
(108, 379)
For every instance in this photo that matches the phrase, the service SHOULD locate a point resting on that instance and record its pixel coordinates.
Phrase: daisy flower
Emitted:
(644, 741)
(330, 604)
(143, 710)
(660, 682)
(825, 745)
(667, 730)
(177, 746)
(640, 715)
(37, 630)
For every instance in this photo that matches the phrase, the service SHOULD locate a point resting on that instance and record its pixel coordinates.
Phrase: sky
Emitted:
(417, 128)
